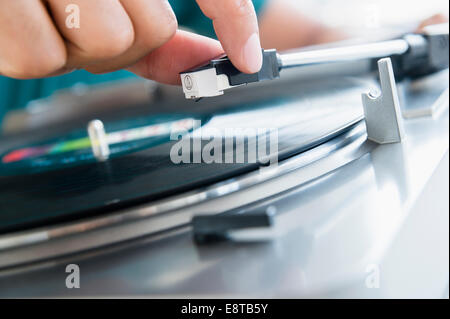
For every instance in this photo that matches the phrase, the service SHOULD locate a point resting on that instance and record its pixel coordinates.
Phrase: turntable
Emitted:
(340, 197)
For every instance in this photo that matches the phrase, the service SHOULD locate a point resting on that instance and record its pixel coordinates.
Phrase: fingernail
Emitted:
(253, 54)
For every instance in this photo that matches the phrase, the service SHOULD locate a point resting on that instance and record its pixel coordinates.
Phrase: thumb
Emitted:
(184, 51)
(236, 26)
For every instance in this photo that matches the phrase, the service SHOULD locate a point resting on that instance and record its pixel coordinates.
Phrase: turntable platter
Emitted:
(59, 180)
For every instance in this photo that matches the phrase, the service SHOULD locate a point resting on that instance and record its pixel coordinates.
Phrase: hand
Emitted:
(140, 35)
(283, 25)
(435, 19)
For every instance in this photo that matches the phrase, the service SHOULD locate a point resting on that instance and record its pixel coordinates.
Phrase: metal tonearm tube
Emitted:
(413, 55)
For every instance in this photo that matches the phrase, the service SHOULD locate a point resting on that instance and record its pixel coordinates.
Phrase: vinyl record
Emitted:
(59, 180)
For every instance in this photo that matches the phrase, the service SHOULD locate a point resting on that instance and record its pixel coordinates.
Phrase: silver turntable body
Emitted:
(354, 219)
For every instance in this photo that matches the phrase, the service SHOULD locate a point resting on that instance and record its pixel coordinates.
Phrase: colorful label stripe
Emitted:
(113, 138)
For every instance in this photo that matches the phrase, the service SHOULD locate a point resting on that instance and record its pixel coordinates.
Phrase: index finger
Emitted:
(236, 25)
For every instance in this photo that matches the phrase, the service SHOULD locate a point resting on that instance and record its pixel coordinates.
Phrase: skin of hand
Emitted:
(140, 35)
(435, 19)
(283, 26)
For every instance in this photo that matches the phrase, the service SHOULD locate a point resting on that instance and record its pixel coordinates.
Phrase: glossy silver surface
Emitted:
(344, 53)
(21, 248)
(312, 116)
(374, 211)
(436, 99)
(386, 209)
(382, 113)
